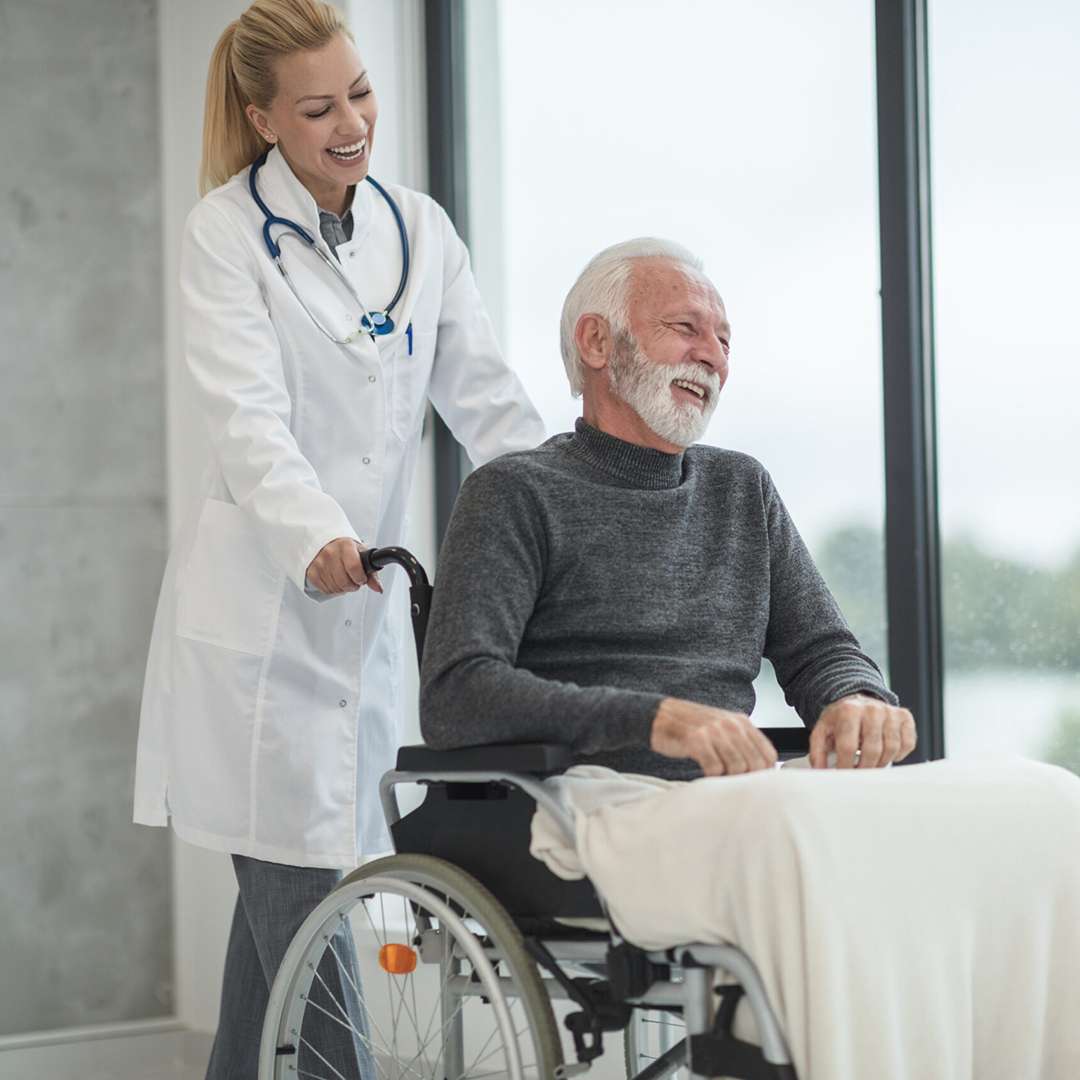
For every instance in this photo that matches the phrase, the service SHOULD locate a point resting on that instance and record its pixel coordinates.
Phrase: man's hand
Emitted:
(880, 733)
(338, 569)
(721, 742)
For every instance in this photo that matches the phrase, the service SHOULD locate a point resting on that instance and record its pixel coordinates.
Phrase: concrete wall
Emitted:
(98, 440)
(85, 896)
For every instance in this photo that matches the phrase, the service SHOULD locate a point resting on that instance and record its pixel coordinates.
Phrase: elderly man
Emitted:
(616, 588)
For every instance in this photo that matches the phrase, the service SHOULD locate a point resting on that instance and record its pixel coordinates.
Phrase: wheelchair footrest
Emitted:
(724, 1055)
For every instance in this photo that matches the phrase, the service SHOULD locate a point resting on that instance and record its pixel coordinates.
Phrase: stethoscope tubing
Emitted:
(373, 323)
(403, 233)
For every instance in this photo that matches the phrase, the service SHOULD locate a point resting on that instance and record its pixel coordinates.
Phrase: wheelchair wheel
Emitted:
(649, 1035)
(442, 987)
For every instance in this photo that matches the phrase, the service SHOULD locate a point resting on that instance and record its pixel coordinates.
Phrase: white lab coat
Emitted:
(268, 717)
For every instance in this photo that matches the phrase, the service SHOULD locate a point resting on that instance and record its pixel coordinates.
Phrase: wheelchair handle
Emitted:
(374, 559)
(420, 590)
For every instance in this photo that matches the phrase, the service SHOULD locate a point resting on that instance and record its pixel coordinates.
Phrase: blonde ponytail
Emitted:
(242, 73)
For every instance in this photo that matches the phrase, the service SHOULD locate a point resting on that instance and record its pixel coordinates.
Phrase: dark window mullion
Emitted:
(448, 186)
(911, 520)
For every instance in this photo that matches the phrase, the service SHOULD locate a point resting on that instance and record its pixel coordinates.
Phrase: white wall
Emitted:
(389, 34)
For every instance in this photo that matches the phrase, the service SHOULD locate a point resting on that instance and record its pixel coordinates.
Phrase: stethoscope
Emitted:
(375, 323)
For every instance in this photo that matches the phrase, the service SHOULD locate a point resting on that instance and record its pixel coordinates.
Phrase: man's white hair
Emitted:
(602, 289)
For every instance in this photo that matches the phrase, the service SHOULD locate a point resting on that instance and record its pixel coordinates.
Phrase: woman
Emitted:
(272, 686)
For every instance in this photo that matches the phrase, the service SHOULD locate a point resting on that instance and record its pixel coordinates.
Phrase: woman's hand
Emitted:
(338, 569)
(721, 742)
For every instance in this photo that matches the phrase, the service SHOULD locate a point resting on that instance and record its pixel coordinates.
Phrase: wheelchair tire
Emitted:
(466, 920)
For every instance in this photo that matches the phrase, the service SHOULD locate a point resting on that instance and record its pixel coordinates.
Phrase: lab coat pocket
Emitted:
(408, 377)
(229, 589)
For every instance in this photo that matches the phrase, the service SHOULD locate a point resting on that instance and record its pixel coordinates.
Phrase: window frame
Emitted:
(448, 185)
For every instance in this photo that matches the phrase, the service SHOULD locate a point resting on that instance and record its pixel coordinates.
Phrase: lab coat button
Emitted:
(371, 378)
(343, 703)
(348, 622)
(367, 461)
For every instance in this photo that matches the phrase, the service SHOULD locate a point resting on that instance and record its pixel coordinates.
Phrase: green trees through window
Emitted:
(1006, 621)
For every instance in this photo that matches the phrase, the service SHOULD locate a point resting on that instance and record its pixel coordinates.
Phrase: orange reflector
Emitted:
(397, 959)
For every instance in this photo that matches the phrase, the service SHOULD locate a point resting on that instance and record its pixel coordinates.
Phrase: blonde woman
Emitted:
(321, 312)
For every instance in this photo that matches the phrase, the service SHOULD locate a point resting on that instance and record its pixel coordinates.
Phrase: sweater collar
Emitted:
(637, 466)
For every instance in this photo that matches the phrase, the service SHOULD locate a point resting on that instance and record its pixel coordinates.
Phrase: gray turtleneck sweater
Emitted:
(582, 582)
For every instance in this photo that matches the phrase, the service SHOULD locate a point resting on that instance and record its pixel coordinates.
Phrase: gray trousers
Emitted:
(272, 903)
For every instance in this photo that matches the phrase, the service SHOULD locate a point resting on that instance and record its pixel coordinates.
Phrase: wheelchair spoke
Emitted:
(344, 967)
(412, 983)
(395, 1015)
(359, 1034)
(419, 1055)
(658, 1033)
(340, 1008)
(360, 999)
(348, 1021)
(442, 1031)
(337, 1019)
(428, 1033)
(381, 940)
(397, 987)
(476, 1060)
(419, 1037)
(367, 915)
(304, 1042)
(403, 1006)
(437, 1008)
(400, 990)
(498, 1049)
(378, 1031)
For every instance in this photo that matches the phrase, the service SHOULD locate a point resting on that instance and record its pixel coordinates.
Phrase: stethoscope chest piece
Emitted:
(377, 323)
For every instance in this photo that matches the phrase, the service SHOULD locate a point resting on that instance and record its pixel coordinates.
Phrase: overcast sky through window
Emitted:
(747, 131)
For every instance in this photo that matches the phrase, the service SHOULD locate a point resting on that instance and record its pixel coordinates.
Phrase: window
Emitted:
(746, 132)
(1006, 172)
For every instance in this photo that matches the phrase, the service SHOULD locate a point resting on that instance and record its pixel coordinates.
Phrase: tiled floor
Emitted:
(173, 1055)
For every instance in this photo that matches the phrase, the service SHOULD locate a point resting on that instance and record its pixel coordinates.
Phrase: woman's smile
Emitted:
(348, 153)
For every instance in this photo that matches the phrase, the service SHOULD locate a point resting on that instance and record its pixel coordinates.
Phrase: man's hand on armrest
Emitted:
(865, 732)
(721, 742)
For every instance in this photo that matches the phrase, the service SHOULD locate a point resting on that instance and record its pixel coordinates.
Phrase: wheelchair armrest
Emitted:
(789, 741)
(546, 758)
(537, 758)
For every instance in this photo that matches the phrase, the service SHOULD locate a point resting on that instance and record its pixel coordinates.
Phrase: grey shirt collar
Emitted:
(335, 230)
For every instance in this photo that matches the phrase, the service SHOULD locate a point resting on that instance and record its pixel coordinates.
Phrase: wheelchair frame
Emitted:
(610, 980)
(689, 972)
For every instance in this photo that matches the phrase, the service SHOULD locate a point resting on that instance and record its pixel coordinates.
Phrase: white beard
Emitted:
(645, 386)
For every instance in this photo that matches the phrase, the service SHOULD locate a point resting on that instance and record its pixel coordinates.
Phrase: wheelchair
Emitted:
(480, 946)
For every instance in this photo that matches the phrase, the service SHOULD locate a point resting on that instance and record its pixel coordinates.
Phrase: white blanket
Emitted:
(920, 923)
